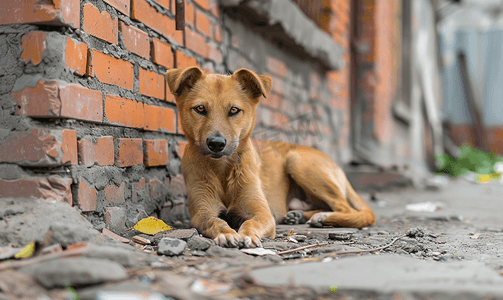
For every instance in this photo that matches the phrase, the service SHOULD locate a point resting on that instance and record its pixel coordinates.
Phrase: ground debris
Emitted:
(171, 247)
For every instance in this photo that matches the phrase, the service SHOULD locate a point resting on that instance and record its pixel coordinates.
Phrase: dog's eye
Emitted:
(200, 110)
(234, 111)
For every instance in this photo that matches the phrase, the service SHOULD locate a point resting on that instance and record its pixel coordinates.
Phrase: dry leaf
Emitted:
(27, 251)
(151, 225)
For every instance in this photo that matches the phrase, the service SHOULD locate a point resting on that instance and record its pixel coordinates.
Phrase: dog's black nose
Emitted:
(216, 143)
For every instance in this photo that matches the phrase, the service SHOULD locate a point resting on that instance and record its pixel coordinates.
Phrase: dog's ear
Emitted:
(179, 80)
(255, 85)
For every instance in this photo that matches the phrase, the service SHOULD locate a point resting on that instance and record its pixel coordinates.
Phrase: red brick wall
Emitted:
(87, 118)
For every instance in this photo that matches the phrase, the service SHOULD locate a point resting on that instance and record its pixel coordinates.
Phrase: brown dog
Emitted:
(236, 183)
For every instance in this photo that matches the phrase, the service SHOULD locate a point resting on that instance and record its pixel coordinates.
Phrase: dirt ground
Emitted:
(415, 250)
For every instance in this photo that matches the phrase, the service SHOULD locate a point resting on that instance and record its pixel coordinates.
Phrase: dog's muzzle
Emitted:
(216, 144)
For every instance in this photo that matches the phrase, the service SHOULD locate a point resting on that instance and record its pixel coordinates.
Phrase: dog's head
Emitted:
(217, 112)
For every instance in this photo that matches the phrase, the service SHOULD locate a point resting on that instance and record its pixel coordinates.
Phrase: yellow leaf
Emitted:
(151, 225)
(27, 251)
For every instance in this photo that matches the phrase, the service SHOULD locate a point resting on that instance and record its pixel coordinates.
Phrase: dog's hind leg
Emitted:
(324, 181)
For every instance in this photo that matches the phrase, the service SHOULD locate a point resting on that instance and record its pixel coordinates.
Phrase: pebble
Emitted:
(75, 272)
(199, 243)
(340, 236)
(171, 247)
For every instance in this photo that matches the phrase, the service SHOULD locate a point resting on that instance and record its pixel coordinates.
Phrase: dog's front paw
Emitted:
(251, 241)
(231, 240)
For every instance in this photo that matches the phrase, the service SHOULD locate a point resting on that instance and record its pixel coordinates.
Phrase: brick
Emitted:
(176, 185)
(196, 42)
(276, 66)
(114, 194)
(129, 152)
(124, 112)
(110, 70)
(204, 4)
(38, 45)
(101, 153)
(100, 24)
(69, 146)
(159, 118)
(217, 33)
(164, 3)
(135, 40)
(115, 219)
(76, 56)
(124, 6)
(49, 188)
(34, 45)
(180, 148)
(155, 152)
(175, 36)
(215, 54)
(179, 125)
(152, 84)
(50, 99)
(273, 101)
(215, 10)
(203, 23)
(184, 61)
(64, 12)
(143, 12)
(158, 190)
(39, 147)
(189, 13)
(86, 196)
(277, 86)
(162, 54)
(139, 190)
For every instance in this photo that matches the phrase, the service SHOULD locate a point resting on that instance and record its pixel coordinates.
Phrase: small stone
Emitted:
(183, 234)
(415, 232)
(75, 272)
(435, 253)
(171, 247)
(217, 251)
(340, 236)
(299, 237)
(199, 243)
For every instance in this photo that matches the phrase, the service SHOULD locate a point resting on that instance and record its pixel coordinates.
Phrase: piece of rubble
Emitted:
(183, 234)
(340, 235)
(258, 251)
(114, 236)
(299, 237)
(66, 233)
(199, 243)
(171, 247)
(217, 251)
(51, 249)
(140, 240)
(75, 272)
(9, 252)
(208, 287)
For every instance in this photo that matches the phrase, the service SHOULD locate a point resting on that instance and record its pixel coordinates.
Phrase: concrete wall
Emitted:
(86, 117)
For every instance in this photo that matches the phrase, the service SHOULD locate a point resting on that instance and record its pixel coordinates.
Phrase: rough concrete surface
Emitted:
(452, 253)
